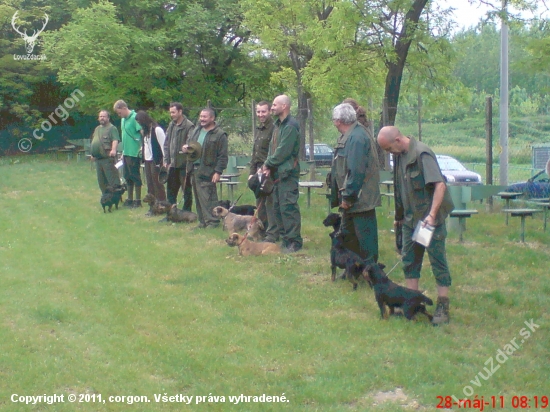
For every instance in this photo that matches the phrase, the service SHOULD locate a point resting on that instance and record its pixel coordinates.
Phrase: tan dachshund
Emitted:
(156, 207)
(231, 221)
(255, 230)
(249, 248)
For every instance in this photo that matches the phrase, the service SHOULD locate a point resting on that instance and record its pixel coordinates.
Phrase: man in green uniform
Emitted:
(262, 137)
(131, 147)
(282, 164)
(420, 195)
(355, 183)
(206, 171)
(103, 150)
(179, 130)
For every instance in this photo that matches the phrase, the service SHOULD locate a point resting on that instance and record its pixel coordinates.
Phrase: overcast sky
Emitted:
(467, 15)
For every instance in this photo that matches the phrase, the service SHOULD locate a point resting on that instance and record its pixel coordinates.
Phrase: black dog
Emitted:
(346, 259)
(112, 196)
(243, 210)
(394, 296)
(334, 220)
(223, 203)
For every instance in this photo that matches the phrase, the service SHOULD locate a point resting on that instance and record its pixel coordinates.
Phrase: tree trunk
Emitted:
(395, 68)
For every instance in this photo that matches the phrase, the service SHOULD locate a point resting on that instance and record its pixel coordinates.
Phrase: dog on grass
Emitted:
(334, 220)
(156, 207)
(390, 294)
(178, 216)
(255, 230)
(112, 196)
(249, 248)
(243, 210)
(231, 221)
(346, 259)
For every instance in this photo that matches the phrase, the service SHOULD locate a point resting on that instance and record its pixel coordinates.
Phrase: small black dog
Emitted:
(334, 220)
(112, 196)
(223, 203)
(346, 259)
(243, 210)
(396, 296)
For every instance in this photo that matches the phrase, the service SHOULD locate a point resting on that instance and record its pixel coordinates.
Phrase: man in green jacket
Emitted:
(262, 138)
(175, 161)
(282, 164)
(421, 195)
(207, 170)
(131, 147)
(103, 150)
(355, 183)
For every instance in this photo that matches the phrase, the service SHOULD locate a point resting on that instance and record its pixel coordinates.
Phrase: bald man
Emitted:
(283, 213)
(420, 195)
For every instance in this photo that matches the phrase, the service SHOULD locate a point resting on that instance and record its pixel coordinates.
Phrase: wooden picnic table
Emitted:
(309, 185)
(507, 196)
(522, 213)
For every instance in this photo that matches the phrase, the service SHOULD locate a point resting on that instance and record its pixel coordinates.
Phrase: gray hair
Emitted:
(345, 113)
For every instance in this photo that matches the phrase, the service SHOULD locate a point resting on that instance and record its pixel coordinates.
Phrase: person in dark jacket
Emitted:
(421, 195)
(175, 161)
(153, 153)
(207, 170)
(283, 165)
(262, 138)
(355, 183)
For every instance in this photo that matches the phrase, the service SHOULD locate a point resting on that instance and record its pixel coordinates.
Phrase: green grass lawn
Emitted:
(119, 304)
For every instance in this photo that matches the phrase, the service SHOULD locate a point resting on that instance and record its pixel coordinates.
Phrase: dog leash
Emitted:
(394, 266)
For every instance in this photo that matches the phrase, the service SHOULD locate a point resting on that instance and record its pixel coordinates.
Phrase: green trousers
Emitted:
(361, 233)
(206, 198)
(107, 173)
(283, 213)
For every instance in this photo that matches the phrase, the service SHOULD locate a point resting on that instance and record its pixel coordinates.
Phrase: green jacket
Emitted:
(176, 137)
(355, 171)
(412, 183)
(262, 138)
(102, 140)
(213, 153)
(284, 149)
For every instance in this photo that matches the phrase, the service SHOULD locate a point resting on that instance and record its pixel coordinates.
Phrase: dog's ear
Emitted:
(381, 265)
(260, 225)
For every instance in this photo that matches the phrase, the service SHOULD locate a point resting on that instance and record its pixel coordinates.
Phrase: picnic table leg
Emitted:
(231, 193)
(545, 210)
(522, 229)
(461, 224)
(507, 207)
(309, 197)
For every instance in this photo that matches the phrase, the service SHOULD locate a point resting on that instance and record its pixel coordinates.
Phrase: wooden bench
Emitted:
(507, 196)
(462, 215)
(230, 176)
(521, 213)
(309, 185)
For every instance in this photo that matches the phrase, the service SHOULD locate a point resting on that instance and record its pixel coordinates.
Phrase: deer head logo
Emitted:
(29, 40)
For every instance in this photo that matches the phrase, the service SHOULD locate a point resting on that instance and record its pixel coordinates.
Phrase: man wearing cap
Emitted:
(131, 142)
(175, 161)
(283, 166)
(103, 149)
(262, 137)
(207, 169)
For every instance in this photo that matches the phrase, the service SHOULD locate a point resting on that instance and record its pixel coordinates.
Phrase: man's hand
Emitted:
(112, 153)
(345, 205)
(429, 220)
(216, 178)
(266, 170)
(184, 148)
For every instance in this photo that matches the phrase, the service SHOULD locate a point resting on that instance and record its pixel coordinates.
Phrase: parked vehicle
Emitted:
(456, 173)
(537, 187)
(322, 154)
